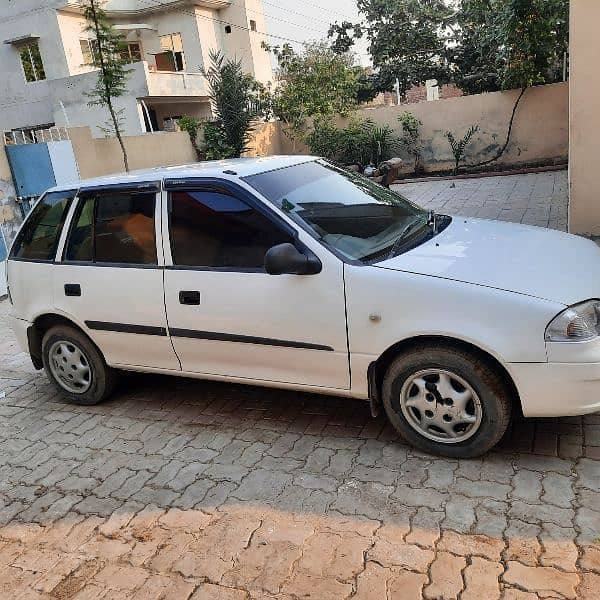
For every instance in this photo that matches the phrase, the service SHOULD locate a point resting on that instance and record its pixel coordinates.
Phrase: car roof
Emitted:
(224, 169)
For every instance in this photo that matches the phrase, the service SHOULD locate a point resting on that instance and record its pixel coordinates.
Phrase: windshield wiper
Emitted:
(398, 243)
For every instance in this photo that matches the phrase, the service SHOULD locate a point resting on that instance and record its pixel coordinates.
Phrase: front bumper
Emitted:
(557, 389)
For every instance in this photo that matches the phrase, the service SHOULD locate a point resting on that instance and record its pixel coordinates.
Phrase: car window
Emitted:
(38, 239)
(114, 227)
(80, 244)
(216, 229)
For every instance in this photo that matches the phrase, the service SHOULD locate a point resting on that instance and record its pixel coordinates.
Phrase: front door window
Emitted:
(216, 230)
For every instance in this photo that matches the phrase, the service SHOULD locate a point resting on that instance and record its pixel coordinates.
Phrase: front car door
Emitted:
(228, 317)
(109, 279)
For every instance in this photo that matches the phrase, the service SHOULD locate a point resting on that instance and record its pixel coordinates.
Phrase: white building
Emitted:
(45, 59)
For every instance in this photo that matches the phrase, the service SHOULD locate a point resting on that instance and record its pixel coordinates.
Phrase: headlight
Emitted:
(577, 323)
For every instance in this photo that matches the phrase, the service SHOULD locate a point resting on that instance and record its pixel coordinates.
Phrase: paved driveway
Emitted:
(179, 488)
(535, 199)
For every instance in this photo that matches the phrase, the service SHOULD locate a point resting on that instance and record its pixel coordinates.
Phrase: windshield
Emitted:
(358, 218)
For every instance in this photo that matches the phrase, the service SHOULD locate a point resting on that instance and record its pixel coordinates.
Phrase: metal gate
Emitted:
(3, 255)
(40, 160)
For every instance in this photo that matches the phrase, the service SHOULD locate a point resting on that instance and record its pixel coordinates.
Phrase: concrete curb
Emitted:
(523, 171)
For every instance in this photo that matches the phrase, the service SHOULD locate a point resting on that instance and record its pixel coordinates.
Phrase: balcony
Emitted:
(161, 83)
(141, 83)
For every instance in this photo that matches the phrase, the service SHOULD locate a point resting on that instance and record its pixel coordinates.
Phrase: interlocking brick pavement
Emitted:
(180, 489)
(532, 199)
(186, 489)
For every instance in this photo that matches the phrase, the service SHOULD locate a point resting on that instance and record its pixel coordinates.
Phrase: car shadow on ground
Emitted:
(299, 412)
(231, 491)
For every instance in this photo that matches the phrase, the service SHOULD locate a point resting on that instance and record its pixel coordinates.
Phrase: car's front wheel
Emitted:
(445, 400)
(76, 367)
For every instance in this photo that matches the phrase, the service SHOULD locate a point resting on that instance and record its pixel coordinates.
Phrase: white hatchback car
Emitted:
(291, 272)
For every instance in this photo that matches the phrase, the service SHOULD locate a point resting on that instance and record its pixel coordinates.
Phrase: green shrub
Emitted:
(191, 126)
(324, 140)
(215, 146)
(361, 142)
(411, 137)
(459, 146)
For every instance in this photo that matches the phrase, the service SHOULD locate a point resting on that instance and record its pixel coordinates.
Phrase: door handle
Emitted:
(190, 298)
(72, 289)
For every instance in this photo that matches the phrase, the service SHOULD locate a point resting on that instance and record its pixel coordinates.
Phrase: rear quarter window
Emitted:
(38, 239)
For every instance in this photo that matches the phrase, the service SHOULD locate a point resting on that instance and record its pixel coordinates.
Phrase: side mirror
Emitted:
(287, 259)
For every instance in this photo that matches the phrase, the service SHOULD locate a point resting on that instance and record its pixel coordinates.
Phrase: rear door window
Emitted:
(115, 227)
(38, 239)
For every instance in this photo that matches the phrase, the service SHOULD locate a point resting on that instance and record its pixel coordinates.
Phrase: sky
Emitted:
(306, 20)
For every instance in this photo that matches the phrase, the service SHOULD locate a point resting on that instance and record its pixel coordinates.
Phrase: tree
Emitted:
(317, 84)
(237, 101)
(112, 73)
(475, 59)
(533, 40)
(480, 45)
(408, 39)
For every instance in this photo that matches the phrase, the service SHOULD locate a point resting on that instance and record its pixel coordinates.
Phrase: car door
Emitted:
(226, 315)
(110, 276)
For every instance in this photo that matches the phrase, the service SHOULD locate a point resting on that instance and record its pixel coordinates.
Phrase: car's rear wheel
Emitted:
(76, 367)
(447, 401)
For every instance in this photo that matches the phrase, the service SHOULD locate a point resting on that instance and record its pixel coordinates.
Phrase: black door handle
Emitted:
(189, 297)
(72, 289)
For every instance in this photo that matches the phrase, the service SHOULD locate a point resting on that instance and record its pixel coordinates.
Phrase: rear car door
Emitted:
(227, 316)
(110, 276)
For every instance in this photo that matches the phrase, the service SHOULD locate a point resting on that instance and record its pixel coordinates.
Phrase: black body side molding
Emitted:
(203, 335)
(125, 328)
(245, 339)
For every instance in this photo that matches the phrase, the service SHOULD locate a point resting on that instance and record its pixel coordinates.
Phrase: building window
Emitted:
(31, 60)
(131, 52)
(89, 51)
(171, 58)
(252, 25)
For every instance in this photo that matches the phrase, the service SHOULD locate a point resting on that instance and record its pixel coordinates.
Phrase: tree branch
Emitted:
(508, 134)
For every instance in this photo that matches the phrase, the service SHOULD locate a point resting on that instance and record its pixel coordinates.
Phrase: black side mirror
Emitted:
(286, 259)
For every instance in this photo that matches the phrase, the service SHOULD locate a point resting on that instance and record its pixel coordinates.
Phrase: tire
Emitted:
(76, 367)
(471, 401)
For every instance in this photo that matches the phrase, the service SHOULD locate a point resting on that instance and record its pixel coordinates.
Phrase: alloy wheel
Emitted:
(70, 367)
(441, 406)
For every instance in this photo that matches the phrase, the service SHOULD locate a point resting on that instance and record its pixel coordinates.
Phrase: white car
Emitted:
(291, 272)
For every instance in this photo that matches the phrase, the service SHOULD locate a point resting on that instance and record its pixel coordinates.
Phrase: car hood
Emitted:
(527, 260)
